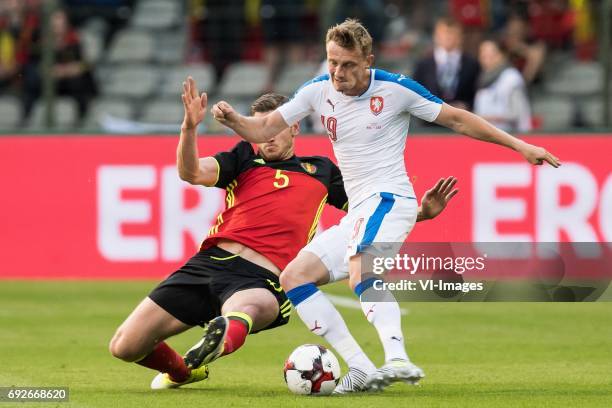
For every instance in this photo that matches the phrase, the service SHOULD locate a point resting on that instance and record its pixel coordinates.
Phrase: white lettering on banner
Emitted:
(113, 212)
(605, 210)
(177, 220)
(552, 217)
(488, 209)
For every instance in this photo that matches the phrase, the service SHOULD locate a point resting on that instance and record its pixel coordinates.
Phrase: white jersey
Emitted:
(368, 131)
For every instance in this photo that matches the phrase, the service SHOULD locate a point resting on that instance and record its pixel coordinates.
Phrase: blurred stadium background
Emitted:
(134, 55)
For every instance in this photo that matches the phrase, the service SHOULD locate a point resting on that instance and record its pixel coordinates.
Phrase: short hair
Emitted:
(449, 21)
(351, 34)
(499, 44)
(268, 102)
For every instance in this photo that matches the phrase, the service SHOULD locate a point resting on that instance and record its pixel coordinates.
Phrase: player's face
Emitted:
(280, 147)
(348, 69)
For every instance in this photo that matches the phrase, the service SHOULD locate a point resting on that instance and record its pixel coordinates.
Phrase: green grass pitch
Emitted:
(474, 355)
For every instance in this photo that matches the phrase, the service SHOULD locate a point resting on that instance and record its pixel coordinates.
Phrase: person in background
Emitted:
(10, 26)
(525, 54)
(72, 74)
(502, 95)
(448, 71)
(281, 23)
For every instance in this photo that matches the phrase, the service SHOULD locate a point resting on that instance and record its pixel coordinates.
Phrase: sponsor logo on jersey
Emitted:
(333, 105)
(310, 168)
(377, 103)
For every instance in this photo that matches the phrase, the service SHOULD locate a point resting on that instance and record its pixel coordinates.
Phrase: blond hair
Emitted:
(351, 34)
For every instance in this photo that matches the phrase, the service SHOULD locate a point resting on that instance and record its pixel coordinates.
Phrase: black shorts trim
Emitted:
(195, 293)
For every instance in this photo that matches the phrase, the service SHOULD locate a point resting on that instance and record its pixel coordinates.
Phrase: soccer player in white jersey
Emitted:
(366, 113)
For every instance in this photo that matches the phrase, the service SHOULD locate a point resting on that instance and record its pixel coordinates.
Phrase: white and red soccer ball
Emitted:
(312, 370)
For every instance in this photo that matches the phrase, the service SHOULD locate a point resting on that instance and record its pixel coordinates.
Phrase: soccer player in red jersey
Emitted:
(231, 286)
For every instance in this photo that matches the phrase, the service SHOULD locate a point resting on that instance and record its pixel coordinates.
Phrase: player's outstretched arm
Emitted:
(191, 168)
(434, 200)
(467, 123)
(252, 129)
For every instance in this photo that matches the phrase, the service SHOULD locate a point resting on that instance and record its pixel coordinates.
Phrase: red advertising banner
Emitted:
(114, 207)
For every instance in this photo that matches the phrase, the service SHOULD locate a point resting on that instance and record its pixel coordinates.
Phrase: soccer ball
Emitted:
(312, 370)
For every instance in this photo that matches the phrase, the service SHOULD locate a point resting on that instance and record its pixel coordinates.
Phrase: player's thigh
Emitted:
(380, 226)
(142, 329)
(321, 261)
(260, 304)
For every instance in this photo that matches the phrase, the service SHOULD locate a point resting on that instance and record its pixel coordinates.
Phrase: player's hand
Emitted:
(434, 200)
(538, 155)
(194, 104)
(224, 113)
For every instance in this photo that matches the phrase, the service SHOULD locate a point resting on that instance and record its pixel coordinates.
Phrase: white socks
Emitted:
(322, 318)
(385, 315)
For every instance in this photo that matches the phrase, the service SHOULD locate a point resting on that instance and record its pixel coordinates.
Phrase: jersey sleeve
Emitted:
(415, 99)
(336, 193)
(231, 163)
(303, 102)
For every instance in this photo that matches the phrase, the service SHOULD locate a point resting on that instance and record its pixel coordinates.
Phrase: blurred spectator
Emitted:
(115, 13)
(369, 12)
(73, 76)
(281, 22)
(551, 21)
(527, 55)
(449, 72)
(502, 97)
(221, 31)
(10, 27)
(473, 15)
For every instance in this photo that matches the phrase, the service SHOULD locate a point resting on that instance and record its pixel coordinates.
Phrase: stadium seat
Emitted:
(170, 48)
(131, 46)
(556, 112)
(592, 111)
(163, 112)
(10, 112)
(93, 45)
(293, 76)
(204, 75)
(101, 108)
(131, 81)
(244, 80)
(64, 114)
(576, 79)
(156, 15)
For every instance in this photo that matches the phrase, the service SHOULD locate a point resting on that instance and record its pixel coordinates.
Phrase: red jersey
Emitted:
(274, 207)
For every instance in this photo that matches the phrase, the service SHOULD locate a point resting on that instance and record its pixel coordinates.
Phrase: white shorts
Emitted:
(383, 217)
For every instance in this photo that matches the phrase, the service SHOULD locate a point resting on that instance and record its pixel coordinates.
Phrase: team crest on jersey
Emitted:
(310, 168)
(377, 103)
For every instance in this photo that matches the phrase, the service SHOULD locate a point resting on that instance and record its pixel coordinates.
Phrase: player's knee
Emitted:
(262, 313)
(123, 349)
(293, 276)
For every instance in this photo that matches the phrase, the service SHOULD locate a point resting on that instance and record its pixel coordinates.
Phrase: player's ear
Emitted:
(295, 129)
(370, 60)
